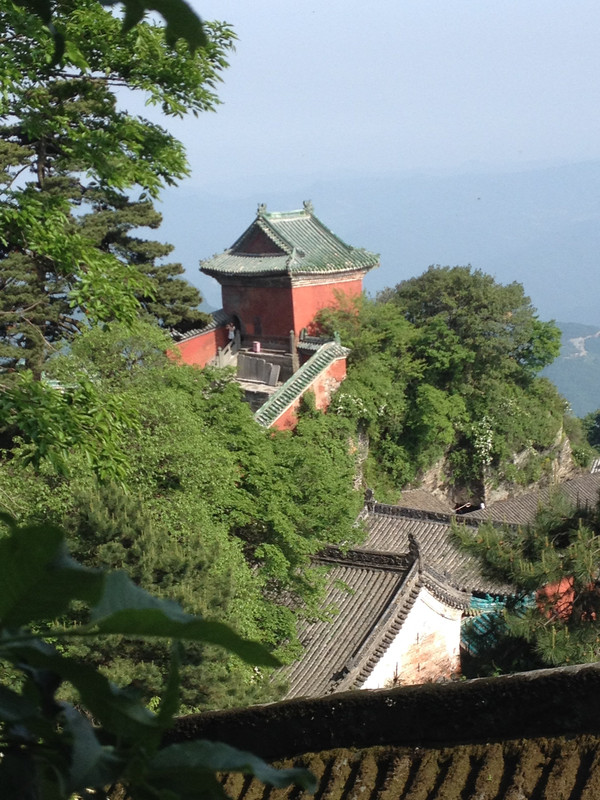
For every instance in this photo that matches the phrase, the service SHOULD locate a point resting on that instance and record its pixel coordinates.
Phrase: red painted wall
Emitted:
(323, 387)
(557, 600)
(308, 300)
(272, 305)
(202, 348)
(281, 309)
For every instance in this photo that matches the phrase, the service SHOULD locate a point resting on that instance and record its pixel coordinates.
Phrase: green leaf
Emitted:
(181, 22)
(43, 8)
(170, 698)
(18, 776)
(118, 710)
(38, 577)
(126, 609)
(180, 19)
(92, 764)
(14, 707)
(75, 56)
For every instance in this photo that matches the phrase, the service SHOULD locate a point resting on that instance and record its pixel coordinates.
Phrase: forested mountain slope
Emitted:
(172, 479)
(445, 367)
(207, 507)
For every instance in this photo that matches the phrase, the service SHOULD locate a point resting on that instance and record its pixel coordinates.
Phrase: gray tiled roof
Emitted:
(405, 551)
(306, 246)
(332, 647)
(529, 735)
(295, 386)
(390, 528)
(421, 498)
(582, 491)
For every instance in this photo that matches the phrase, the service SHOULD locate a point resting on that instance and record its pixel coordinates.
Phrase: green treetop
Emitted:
(172, 302)
(69, 149)
(444, 366)
(497, 324)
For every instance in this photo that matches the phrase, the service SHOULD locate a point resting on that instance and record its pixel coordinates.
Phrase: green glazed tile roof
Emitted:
(305, 246)
(217, 320)
(295, 386)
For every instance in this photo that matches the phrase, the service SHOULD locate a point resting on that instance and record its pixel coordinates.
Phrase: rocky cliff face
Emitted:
(560, 467)
(557, 465)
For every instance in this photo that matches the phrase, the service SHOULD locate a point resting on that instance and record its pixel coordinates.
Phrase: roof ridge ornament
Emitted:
(261, 210)
(308, 206)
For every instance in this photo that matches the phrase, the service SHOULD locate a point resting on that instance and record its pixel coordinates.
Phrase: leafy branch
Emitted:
(181, 21)
(52, 749)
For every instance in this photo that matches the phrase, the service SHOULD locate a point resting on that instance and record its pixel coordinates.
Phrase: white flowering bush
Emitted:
(349, 405)
(482, 437)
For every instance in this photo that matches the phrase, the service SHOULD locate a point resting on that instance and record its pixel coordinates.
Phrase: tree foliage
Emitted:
(50, 748)
(76, 169)
(496, 324)
(591, 427)
(206, 508)
(554, 564)
(444, 366)
(181, 22)
(110, 226)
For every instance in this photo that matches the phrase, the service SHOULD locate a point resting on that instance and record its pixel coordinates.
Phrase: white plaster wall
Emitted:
(427, 616)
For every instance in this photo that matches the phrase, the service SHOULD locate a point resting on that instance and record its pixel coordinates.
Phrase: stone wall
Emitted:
(557, 702)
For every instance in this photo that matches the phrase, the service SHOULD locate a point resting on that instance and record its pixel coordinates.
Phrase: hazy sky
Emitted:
(320, 93)
(395, 85)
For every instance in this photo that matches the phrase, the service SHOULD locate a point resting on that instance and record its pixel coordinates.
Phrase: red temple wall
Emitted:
(308, 300)
(322, 387)
(280, 309)
(199, 350)
(263, 311)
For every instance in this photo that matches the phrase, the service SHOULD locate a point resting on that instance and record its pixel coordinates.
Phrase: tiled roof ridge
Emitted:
(296, 212)
(298, 383)
(389, 510)
(384, 630)
(348, 247)
(520, 510)
(306, 247)
(273, 234)
(444, 589)
(261, 221)
(310, 344)
(440, 585)
(306, 339)
(218, 319)
(373, 559)
(308, 213)
(553, 702)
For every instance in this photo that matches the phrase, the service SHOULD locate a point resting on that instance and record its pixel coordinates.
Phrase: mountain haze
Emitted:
(576, 371)
(539, 226)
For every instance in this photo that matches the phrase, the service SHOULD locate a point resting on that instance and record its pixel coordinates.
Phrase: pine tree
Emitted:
(554, 565)
(173, 302)
(68, 150)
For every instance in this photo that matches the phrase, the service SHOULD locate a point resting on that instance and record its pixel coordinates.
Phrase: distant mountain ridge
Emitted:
(576, 371)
